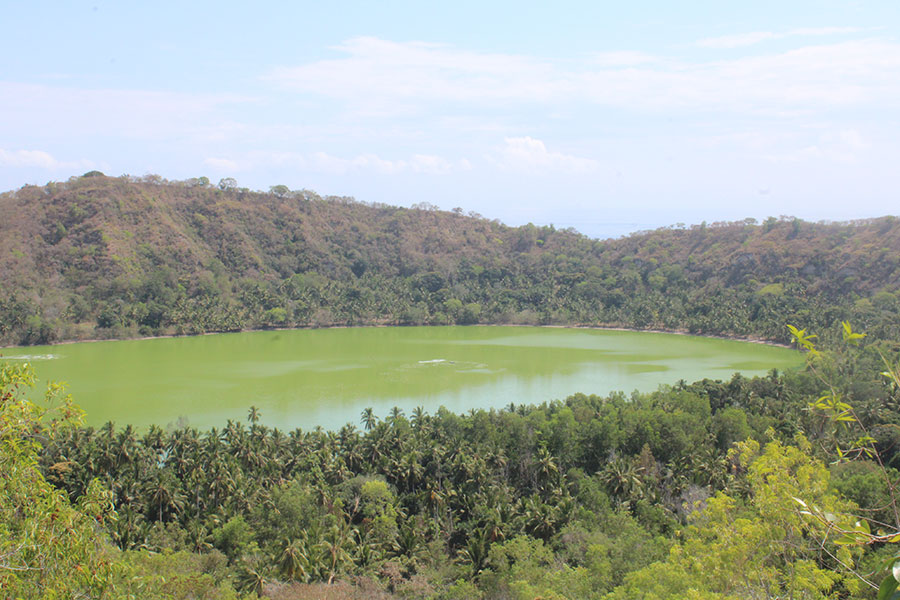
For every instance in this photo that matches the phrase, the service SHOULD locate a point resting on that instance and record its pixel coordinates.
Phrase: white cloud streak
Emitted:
(398, 77)
(136, 114)
(844, 146)
(323, 162)
(517, 154)
(38, 159)
(530, 155)
(383, 78)
(223, 165)
(740, 40)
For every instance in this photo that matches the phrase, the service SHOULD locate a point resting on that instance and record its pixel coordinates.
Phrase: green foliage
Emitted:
(852, 440)
(684, 492)
(730, 426)
(48, 547)
(760, 546)
(173, 576)
(275, 316)
(524, 568)
(562, 500)
(773, 289)
(233, 538)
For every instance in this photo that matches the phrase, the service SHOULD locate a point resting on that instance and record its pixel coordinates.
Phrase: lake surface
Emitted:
(305, 378)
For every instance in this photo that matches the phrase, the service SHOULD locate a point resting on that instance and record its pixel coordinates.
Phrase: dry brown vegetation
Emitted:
(117, 257)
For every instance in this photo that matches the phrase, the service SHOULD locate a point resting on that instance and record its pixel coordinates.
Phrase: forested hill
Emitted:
(115, 257)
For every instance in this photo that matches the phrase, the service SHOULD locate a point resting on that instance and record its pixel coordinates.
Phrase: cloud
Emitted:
(223, 165)
(27, 158)
(135, 114)
(817, 144)
(323, 162)
(530, 155)
(397, 77)
(622, 58)
(389, 79)
(427, 164)
(38, 159)
(433, 165)
(740, 40)
(844, 146)
(737, 40)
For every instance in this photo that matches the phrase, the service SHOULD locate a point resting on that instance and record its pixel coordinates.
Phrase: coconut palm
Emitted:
(368, 418)
(293, 563)
(418, 417)
(252, 575)
(623, 479)
(164, 495)
(396, 414)
(475, 552)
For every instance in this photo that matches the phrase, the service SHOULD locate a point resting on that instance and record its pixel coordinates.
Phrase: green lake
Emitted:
(305, 378)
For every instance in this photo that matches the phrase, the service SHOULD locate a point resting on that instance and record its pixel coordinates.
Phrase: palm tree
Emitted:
(623, 479)
(252, 575)
(546, 468)
(409, 470)
(408, 541)
(154, 438)
(347, 434)
(396, 413)
(197, 534)
(365, 552)
(164, 494)
(336, 555)
(418, 417)
(368, 418)
(293, 562)
(494, 526)
(476, 551)
(434, 496)
(127, 529)
(540, 518)
(253, 415)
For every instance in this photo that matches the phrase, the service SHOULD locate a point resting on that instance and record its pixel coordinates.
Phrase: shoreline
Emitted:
(734, 338)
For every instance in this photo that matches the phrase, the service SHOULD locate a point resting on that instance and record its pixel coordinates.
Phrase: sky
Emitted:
(609, 117)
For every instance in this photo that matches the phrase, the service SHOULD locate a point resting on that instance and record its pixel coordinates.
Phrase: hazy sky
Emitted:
(604, 116)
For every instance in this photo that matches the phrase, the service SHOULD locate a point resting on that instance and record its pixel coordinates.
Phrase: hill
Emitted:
(114, 257)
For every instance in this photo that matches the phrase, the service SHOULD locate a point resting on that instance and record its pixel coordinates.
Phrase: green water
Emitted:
(305, 378)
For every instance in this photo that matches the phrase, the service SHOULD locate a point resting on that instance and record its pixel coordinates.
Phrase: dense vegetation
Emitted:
(776, 487)
(116, 257)
(688, 490)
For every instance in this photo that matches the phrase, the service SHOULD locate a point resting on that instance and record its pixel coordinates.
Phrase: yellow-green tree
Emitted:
(48, 547)
(763, 546)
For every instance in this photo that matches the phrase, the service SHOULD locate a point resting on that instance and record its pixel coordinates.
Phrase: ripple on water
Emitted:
(31, 357)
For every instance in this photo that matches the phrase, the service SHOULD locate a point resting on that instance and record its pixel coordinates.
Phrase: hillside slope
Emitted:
(117, 257)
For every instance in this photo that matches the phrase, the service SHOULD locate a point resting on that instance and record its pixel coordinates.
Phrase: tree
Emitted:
(164, 495)
(48, 547)
(368, 418)
(293, 562)
(761, 547)
(280, 190)
(228, 183)
(851, 441)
